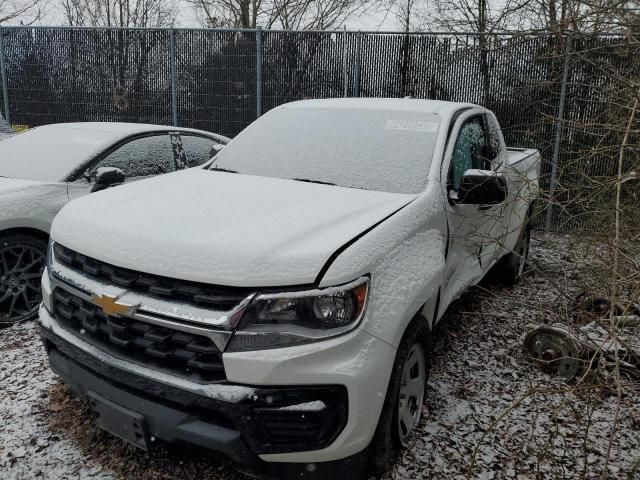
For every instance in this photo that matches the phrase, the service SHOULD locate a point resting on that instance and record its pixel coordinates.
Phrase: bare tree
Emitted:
(24, 11)
(119, 13)
(482, 16)
(587, 16)
(489, 16)
(285, 14)
(409, 14)
(129, 55)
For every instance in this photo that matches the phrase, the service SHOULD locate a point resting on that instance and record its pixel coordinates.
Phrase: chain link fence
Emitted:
(545, 89)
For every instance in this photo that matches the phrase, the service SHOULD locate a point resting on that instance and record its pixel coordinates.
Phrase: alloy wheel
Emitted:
(21, 268)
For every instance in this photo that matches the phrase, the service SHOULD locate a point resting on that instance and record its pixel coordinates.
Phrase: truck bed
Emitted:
(516, 155)
(527, 162)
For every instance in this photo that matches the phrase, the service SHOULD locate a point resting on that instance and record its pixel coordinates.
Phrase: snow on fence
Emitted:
(547, 90)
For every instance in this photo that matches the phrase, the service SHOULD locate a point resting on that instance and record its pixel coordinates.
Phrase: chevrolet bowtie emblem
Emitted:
(111, 307)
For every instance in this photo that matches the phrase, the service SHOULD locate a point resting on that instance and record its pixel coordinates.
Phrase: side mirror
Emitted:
(481, 187)
(107, 177)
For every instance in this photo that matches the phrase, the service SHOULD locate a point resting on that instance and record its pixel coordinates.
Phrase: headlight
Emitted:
(50, 254)
(47, 299)
(46, 285)
(283, 319)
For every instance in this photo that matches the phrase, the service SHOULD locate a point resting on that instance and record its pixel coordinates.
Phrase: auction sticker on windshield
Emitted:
(415, 125)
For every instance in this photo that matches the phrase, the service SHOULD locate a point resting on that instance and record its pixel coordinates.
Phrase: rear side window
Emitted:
(199, 149)
(142, 157)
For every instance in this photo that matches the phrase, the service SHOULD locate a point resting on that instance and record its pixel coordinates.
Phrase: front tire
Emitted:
(402, 408)
(22, 262)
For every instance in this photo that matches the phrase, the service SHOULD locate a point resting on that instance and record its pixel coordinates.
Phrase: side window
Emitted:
(142, 157)
(199, 149)
(468, 151)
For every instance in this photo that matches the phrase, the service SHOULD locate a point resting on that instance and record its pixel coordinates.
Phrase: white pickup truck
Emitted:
(276, 305)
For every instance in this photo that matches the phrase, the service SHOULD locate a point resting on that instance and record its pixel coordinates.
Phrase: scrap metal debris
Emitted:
(606, 340)
(554, 350)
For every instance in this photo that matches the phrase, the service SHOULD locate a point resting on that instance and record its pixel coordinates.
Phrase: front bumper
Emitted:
(166, 419)
(233, 418)
(241, 426)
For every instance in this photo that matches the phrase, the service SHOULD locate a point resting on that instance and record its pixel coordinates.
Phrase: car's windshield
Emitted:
(49, 153)
(373, 149)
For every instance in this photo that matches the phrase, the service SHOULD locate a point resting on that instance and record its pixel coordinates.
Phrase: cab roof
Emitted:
(121, 129)
(437, 107)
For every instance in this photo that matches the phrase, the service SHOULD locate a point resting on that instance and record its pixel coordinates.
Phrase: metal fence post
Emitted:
(356, 76)
(3, 74)
(258, 71)
(344, 61)
(558, 134)
(174, 86)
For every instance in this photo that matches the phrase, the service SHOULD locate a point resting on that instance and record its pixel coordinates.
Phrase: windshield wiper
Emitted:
(226, 170)
(313, 181)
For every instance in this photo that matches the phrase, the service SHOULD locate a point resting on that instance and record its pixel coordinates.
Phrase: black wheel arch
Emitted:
(27, 231)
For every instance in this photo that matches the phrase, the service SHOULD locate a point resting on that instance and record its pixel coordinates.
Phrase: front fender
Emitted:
(405, 257)
(33, 207)
(25, 223)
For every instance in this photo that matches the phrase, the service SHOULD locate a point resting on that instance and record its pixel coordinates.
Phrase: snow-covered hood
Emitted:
(222, 228)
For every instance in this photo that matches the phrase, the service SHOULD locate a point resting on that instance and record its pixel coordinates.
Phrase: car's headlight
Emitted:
(283, 319)
(46, 284)
(50, 254)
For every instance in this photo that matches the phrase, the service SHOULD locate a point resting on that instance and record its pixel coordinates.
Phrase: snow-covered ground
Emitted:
(490, 413)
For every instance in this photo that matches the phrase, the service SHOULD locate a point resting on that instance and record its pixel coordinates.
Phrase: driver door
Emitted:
(469, 226)
(138, 158)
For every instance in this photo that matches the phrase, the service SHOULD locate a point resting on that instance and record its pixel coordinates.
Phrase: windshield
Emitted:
(49, 153)
(372, 149)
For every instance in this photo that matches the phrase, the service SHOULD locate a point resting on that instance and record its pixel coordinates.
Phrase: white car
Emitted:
(42, 169)
(276, 305)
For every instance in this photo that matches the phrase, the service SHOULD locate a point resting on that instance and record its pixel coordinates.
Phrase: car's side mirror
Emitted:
(480, 187)
(107, 177)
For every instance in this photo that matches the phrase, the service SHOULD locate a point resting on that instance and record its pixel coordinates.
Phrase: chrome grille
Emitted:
(191, 356)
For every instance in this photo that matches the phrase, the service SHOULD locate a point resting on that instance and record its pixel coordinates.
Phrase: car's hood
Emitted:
(222, 228)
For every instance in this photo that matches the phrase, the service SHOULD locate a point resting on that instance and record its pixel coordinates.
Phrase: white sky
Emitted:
(367, 21)
(53, 16)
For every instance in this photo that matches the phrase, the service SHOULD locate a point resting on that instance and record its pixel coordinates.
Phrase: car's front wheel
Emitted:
(22, 261)
(402, 408)
(411, 398)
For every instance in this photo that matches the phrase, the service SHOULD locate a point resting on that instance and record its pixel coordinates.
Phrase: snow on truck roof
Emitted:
(434, 107)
